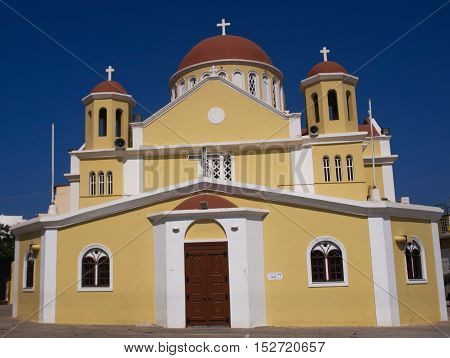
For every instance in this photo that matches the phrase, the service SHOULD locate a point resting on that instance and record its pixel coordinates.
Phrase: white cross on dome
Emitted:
(109, 71)
(223, 25)
(325, 53)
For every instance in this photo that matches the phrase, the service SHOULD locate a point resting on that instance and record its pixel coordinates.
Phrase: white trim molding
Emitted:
(47, 282)
(111, 269)
(243, 228)
(439, 273)
(313, 243)
(337, 76)
(383, 270)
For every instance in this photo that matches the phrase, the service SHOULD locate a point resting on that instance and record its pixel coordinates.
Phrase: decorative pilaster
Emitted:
(47, 291)
(383, 268)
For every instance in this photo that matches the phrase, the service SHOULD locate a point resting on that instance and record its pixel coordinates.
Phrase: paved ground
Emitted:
(32, 329)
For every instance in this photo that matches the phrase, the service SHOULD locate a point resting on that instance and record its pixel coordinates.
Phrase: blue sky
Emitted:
(144, 41)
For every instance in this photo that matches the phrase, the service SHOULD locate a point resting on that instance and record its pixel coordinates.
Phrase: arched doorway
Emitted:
(206, 275)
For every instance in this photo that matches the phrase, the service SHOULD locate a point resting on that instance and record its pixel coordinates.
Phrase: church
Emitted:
(224, 208)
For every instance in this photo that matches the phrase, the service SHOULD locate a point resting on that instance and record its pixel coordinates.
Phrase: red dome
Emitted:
(109, 86)
(226, 47)
(326, 67)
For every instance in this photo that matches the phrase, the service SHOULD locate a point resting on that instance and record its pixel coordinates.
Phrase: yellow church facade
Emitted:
(223, 208)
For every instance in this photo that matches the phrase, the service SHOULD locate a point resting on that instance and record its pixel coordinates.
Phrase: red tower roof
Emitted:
(326, 67)
(109, 86)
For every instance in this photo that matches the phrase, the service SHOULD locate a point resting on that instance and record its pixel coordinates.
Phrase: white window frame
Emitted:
(109, 183)
(111, 269)
(223, 72)
(338, 168)
(350, 168)
(222, 179)
(92, 184)
(326, 169)
(101, 183)
(182, 88)
(205, 75)
(424, 278)
(266, 97)
(242, 84)
(190, 85)
(251, 73)
(344, 263)
(24, 272)
(275, 93)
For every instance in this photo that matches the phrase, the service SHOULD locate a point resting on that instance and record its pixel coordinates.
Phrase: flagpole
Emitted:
(374, 180)
(52, 209)
(53, 163)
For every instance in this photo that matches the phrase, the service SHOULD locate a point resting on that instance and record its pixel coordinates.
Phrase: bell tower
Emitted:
(107, 114)
(330, 97)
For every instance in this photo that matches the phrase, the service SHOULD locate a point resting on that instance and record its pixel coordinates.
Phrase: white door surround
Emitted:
(244, 231)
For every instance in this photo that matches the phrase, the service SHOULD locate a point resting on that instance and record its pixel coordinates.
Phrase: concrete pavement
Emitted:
(16, 328)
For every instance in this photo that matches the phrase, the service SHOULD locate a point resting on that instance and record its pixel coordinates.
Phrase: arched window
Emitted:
(192, 82)
(205, 75)
(414, 258)
(95, 268)
(238, 79)
(266, 89)
(338, 166)
(326, 262)
(182, 87)
(102, 117)
(109, 183)
(174, 92)
(223, 75)
(92, 184)
(28, 282)
(315, 100)
(118, 122)
(326, 168)
(350, 170)
(348, 97)
(252, 84)
(275, 93)
(101, 183)
(333, 112)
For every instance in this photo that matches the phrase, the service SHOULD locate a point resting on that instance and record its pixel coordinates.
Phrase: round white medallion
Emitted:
(216, 115)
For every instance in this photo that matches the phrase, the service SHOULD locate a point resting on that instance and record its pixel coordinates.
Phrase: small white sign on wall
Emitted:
(274, 276)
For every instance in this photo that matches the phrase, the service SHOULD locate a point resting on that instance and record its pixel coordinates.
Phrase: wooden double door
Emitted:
(207, 284)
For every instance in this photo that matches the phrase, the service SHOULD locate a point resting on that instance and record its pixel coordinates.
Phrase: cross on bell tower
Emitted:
(223, 25)
(325, 53)
(109, 71)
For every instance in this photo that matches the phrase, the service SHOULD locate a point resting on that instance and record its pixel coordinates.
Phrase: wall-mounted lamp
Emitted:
(35, 247)
(402, 239)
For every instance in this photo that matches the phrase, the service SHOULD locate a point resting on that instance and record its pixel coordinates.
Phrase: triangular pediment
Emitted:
(214, 111)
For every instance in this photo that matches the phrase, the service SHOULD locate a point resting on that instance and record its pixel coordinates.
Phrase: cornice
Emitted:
(383, 209)
(339, 76)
